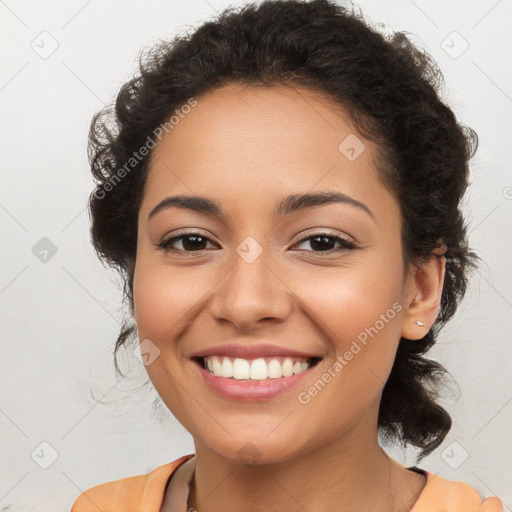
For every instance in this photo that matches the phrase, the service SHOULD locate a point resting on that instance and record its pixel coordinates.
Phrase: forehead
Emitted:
(244, 144)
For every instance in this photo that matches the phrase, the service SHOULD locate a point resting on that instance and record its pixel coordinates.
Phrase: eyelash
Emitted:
(164, 245)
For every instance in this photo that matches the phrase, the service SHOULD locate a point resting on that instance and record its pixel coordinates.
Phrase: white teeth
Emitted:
(287, 367)
(256, 369)
(241, 369)
(217, 366)
(259, 370)
(227, 367)
(274, 369)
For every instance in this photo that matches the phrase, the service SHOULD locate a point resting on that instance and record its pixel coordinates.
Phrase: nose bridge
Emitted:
(251, 290)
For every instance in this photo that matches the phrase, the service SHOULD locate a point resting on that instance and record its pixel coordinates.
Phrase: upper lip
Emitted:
(251, 351)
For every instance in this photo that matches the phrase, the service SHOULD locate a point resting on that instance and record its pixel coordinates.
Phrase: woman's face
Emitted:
(262, 282)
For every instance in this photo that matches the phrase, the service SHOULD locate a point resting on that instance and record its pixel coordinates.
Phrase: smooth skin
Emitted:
(246, 148)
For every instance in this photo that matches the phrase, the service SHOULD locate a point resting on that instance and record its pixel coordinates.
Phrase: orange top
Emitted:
(145, 493)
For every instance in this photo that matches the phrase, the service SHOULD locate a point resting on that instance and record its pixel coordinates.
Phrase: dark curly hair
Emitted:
(391, 91)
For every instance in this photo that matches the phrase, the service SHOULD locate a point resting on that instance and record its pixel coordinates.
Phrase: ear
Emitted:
(422, 297)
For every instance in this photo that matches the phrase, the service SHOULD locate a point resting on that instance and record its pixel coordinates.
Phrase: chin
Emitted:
(251, 450)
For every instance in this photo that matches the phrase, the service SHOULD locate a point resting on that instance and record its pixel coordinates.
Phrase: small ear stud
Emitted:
(417, 297)
(420, 323)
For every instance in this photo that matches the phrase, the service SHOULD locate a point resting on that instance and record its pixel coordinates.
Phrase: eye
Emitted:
(322, 242)
(194, 242)
(190, 242)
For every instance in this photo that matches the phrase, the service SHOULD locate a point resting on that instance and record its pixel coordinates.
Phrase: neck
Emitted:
(350, 473)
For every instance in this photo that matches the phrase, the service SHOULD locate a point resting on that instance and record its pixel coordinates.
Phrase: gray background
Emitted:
(60, 317)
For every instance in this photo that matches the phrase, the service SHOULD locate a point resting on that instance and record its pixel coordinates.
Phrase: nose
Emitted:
(251, 291)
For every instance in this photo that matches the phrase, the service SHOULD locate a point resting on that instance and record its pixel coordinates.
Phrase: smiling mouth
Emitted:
(261, 368)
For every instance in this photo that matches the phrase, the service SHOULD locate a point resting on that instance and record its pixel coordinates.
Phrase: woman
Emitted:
(280, 191)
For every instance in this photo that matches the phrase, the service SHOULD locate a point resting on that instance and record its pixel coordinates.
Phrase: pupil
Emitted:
(321, 246)
(199, 241)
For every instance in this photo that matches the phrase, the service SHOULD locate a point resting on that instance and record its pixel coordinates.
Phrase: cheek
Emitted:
(163, 300)
(358, 313)
(351, 302)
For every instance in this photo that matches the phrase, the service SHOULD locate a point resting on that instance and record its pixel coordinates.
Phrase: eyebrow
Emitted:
(287, 205)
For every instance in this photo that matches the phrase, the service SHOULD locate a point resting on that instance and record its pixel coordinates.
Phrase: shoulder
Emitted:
(445, 495)
(142, 492)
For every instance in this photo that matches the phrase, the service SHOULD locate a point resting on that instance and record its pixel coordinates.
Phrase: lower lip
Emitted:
(251, 391)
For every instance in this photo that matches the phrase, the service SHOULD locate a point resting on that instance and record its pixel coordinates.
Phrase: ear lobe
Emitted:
(423, 297)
